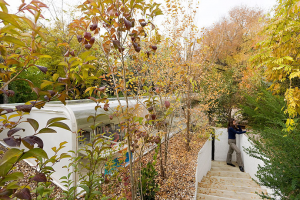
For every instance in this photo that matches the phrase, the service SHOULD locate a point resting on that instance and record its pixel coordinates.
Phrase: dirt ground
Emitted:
(181, 168)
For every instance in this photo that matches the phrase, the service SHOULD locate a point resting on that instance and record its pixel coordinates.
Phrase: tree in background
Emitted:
(122, 27)
(278, 55)
(226, 48)
(182, 39)
(273, 115)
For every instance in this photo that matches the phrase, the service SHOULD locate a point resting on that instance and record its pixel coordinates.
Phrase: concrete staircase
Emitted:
(228, 183)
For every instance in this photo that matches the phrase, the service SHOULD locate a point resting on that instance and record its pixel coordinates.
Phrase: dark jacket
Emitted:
(232, 132)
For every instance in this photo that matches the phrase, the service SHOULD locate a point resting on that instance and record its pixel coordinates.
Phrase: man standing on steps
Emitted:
(232, 130)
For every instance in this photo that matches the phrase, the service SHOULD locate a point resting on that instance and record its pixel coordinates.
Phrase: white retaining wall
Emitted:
(242, 141)
(221, 145)
(221, 148)
(203, 162)
(250, 164)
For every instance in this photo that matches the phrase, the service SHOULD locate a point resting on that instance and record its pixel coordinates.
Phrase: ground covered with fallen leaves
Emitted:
(28, 172)
(181, 170)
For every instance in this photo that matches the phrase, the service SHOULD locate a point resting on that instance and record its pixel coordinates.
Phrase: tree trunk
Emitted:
(162, 170)
(229, 114)
(188, 116)
(5, 97)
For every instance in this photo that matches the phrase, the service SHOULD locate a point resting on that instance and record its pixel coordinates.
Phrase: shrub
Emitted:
(276, 147)
(147, 183)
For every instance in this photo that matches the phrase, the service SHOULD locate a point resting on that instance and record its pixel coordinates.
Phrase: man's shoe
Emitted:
(241, 168)
(231, 164)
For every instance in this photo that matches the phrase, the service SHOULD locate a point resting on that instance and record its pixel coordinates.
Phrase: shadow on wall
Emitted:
(221, 145)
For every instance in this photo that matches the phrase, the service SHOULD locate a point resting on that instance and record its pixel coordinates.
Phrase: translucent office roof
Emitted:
(82, 109)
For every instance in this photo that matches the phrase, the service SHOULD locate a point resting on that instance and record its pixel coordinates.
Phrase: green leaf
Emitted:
(45, 56)
(77, 77)
(55, 77)
(11, 154)
(50, 39)
(90, 117)
(12, 40)
(56, 119)
(40, 189)
(14, 115)
(90, 58)
(36, 153)
(62, 143)
(294, 75)
(46, 83)
(33, 123)
(63, 64)
(88, 66)
(13, 185)
(29, 22)
(13, 176)
(8, 18)
(157, 12)
(49, 168)
(92, 78)
(64, 155)
(60, 125)
(47, 130)
(100, 115)
(84, 55)
(3, 6)
(86, 188)
(85, 74)
(76, 63)
(10, 29)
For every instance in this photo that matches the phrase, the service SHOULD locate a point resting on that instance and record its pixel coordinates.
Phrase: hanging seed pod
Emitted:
(79, 38)
(87, 35)
(92, 40)
(154, 47)
(72, 53)
(93, 27)
(88, 46)
(143, 24)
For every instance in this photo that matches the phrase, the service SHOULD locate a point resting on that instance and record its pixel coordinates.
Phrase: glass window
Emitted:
(85, 136)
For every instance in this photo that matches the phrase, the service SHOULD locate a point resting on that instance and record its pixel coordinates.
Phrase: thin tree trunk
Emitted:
(5, 97)
(162, 171)
(188, 107)
(133, 194)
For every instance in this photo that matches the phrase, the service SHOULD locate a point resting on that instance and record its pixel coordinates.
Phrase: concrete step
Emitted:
(211, 197)
(226, 169)
(234, 188)
(222, 164)
(228, 174)
(228, 193)
(229, 181)
(225, 182)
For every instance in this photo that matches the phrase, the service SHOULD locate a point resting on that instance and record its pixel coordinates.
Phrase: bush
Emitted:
(23, 90)
(276, 147)
(147, 184)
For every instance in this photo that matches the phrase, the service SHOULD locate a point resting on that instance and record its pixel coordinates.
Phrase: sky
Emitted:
(209, 11)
